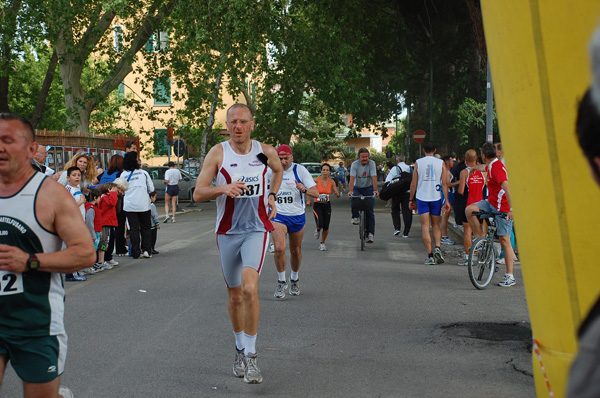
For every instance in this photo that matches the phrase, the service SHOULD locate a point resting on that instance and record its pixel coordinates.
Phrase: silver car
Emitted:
(186, 185)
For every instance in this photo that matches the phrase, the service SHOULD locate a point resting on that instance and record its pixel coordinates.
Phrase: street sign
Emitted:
(419, 136)
(179, 147)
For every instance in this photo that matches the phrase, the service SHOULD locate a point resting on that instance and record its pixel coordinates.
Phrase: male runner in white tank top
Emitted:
(430, 180)
(244, 211)
(36, 216)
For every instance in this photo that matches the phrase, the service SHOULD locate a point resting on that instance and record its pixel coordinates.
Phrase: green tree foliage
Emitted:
(306, 151)
(470, 124)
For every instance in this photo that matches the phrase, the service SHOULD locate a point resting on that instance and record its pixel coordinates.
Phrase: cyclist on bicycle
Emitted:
(430, 180)
(363, 181)
(498, 200)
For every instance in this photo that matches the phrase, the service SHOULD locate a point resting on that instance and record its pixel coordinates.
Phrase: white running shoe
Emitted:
(166, 218)
(146, 255)
(65, 392)
(322, 247)
(317, 234)
(355, 221)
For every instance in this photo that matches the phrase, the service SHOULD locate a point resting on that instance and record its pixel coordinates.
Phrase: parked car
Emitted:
(186, 185)
(313, 168)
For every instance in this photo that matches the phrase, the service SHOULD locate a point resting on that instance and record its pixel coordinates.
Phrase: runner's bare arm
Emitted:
(58, 213)
(464, 174)
(204, 191)
(276, 176)
(445, 179)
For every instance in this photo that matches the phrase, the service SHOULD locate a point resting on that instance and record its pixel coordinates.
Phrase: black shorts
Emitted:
(322, 213)
(172, 190)
(459, 209)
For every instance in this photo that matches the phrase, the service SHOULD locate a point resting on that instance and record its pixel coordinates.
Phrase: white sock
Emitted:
(281, 276)
(511, 276)
(250, 344)
(239, 340)
(293, 276)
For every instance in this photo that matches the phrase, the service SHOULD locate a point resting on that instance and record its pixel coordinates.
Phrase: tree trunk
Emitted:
(43, 96)
(4, 78)
(211, 118)
(9, 33)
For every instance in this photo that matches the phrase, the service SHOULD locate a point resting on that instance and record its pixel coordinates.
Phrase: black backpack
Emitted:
(397, 186)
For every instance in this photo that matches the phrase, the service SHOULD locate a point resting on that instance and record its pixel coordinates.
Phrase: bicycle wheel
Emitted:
(481, 263)
(361, 230)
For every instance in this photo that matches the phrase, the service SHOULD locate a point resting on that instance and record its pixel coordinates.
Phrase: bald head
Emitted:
(471, 156)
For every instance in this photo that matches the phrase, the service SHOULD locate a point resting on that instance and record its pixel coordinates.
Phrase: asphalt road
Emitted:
(376, 323)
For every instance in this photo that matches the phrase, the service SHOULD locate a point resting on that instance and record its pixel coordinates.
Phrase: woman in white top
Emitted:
(172, 178)
(136, 205)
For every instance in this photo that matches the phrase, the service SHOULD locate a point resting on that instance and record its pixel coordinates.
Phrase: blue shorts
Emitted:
(172, 190)
(342, 179)
(293, 223)
(434, 208)
(503, 226)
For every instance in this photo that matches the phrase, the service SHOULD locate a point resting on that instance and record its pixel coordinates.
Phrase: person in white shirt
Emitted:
(172, 178)
(429, 182)
(136, 204)
(290, 219)
(39, 161)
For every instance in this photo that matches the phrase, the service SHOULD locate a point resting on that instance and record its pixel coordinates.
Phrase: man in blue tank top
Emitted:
(36, 216)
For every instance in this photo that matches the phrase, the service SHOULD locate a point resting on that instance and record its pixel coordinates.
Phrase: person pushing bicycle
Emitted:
(498, 200)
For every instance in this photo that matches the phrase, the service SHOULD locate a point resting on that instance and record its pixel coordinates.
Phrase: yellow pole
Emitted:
(540, 68)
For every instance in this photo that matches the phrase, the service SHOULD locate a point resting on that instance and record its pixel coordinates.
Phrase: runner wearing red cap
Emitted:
(290, 219)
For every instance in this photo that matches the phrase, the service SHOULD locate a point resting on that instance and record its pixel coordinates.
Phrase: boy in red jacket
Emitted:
(108, 217)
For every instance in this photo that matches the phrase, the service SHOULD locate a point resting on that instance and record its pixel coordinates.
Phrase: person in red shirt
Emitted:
(471, 185)
(498, 200)
(108, 215)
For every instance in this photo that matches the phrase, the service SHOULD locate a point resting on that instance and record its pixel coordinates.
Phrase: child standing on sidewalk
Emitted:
(108, 216)
(154, 221)
(74, 179)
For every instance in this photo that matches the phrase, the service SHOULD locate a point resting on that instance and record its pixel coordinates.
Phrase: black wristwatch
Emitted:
(273, 193)
(33, 264)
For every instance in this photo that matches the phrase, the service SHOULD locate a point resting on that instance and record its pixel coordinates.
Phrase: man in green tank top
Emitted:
(36, 216)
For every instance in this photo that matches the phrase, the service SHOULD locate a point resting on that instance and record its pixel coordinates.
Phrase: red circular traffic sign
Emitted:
(419, 136)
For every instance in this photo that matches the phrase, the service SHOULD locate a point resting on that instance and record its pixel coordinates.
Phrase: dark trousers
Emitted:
(121, 244)
(154, 232)
(369, 205)
(398, 201)
(108, 255)
(139, 224)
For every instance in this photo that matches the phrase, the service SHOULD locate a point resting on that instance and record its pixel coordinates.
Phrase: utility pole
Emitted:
(489, 112)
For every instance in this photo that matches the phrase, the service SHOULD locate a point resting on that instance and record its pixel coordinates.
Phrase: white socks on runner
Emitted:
(239, 340)
(250, 344)
(281, 276)
(293, 276)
